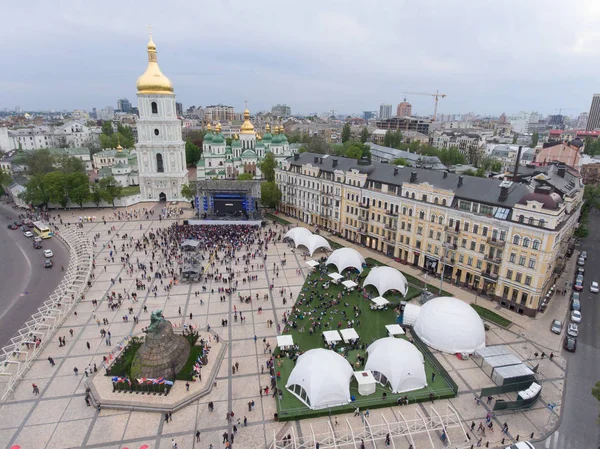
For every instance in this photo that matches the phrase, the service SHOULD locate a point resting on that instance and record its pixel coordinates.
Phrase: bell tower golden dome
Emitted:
(247, 127)
(153, 81)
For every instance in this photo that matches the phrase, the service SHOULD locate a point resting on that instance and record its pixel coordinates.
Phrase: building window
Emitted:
(466, 226)
(475, 228)
(531, 220)
(519, 276)
(531, 263)
(470, 261)
(478, 264)
(154, 107)
(422, 215)
(515, 295)
(436, 200)
(523, 298)
(536, 244)
(522, 260)
(512, 258)
(437, 251)
(541, 223)
(465, 205)
(156, 132)
(461, 258)
(526, 242)
(486, 210)
(509, 274)
(444, 202)
(431, 233)
(506, 290)
(527, 280)
(473, 245)
(420, 230)
(484, 231)
(516, 240)
(433, 218)
(481, 248)
(424, 198)
(159, 163)
(521, 218)
(463, 243)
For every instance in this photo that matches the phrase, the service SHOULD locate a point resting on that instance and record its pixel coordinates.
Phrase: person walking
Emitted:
(387, 440)
(432, 377)
(197, 436)
(36, 390)
(51, 361)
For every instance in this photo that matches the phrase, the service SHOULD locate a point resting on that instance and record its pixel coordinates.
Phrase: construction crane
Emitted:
(437, 95)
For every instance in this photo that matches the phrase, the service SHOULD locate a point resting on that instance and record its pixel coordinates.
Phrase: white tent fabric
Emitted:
(411, 314)
(332, 336)
(349, 334)
(345, 258)
(394, 329)
(300, 236)
(312, 263)
(450, 325)
(315, 242)
(285, 340)
(399, 361)
(318, 387)
(385, 279)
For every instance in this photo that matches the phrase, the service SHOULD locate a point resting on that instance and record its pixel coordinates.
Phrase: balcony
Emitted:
(363, 207)
(452, 230)
(389, 213)
(494, 260)
(496, 242)
(391, 226)
(489, 275)
(363, 219)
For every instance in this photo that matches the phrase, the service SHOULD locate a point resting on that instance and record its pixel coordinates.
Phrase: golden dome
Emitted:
(258, 137)
(153, 81)
(119, 148)
(218, 128)
(268, 128)
(276, 129)
(236, 137)
(247, 127)
(208, 127)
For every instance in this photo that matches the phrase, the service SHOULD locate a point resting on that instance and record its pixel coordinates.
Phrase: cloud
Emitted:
(489, 57)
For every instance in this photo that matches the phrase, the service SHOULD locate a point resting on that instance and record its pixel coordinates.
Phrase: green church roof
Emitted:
(248, 153)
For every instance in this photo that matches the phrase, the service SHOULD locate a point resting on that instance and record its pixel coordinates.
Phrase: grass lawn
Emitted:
(131, 190)
(487, 314)
(277, 218)
(371, 328)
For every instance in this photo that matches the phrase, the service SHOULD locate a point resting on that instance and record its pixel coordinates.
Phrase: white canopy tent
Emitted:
(299, 235)
(450, 325)
(394, 329)
(284, 341)
(315, 242)
(345, 258)
(318, 387)
(411, 314)
(336, 277)
(366, 382)
(332, 336)
(385, 279)
(312, 263)
(349, 334)
(380, 302)
(350, 285)
(398, 363)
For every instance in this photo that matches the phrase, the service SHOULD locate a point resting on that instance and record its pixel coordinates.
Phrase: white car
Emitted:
(28, 234)
(576, 316)
(48, 253)
(594, 287)
(37, 238)
(521, 445)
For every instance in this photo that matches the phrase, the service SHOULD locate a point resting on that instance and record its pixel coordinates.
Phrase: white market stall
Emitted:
(380, 302)
(349, 334)
(332, 337)
(284, 341)
(312, 263)
(366, 382)
(394, 329)
(336, 277)
(350, 285)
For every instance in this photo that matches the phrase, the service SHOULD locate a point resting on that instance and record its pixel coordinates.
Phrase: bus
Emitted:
(42, 230)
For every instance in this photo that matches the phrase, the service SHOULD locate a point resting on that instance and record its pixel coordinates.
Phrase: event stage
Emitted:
(224, 222)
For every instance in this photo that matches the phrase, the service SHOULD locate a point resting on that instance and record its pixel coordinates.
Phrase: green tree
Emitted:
(364, 135)
(36, 192)
(302, 149)
(346, 133)
(192, 153)
(5, 178)
(392, 139)
(245, 177)
(496, 166)
(267, 167)
(317, 145)
(354, 152)
(126, 137)
(110, 189)
(514, 139)
(229, 140)
(400, 161)
(56, 185)
(78, 188)
(187, 192)
(592, 146)
(449, 156)
(70, 164)
(107, 128)
(596, 391)
(535, 137)
(96, 194)
(39, 162)
(270, 195)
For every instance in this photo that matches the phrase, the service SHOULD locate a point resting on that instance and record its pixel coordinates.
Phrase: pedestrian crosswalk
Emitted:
(560, 440)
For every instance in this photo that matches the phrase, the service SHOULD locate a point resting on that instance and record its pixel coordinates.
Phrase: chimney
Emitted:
(561, 169)
(316, 159)
(445, 174)
(517, 164)
(320, 160)
(413, 176)
(296, 156)
(503, 193)
(395, 171)
(334, 163)
(460, 181)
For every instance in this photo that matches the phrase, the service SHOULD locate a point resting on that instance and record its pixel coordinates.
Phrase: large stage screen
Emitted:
(228, 206)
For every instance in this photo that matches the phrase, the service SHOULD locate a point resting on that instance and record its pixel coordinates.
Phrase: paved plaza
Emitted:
(58, 416)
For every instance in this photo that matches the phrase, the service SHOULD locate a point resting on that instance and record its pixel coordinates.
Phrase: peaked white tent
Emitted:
(299, 235)
(318, 387)
(398, 363)
(345, 258)
(450, 325)
(315, 242)
(385, 279)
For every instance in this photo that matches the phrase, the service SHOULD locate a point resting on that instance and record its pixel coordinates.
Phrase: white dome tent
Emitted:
(315, 242)
(346, 258)
(385, 279)
(299, 235)
(317, 387)
(450, 325)
(398, 363)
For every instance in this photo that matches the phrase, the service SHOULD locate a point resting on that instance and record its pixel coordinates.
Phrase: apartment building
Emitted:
(507, 241)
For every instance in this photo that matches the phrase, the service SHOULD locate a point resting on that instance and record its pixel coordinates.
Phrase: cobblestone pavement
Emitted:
(59, 418)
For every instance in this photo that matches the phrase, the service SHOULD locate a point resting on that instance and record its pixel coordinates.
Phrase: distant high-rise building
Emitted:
(368, 115)
(124, 105)
(593, 121)
(108, 113)
(94, 113)
(219, 112)
(404, 109)
(281, 110)
(385, 111)
(179, 108)
(581, 121)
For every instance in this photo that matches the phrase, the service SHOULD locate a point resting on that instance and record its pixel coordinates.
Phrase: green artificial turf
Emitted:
(487, 314)
(277, 218)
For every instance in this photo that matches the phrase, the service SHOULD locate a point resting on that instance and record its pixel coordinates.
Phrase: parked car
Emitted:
(48, 253)
(576, 305)
(13, 226)
(578, 283)
(37, 245)
(576, 316)
(581, 261)
(570, 344)
(556, 326)
(580, 271)
(28, 234)
(583, 254)
(521, 445)
(573, 330)
(594, 287)
(48, 263)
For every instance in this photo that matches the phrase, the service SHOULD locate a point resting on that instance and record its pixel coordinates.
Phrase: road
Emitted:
(25, 283)
(579, 428)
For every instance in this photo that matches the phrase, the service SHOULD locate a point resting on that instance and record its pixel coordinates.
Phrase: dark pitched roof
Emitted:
(482, 190)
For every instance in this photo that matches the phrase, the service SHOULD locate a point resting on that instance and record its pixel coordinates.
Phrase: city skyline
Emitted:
(344, 55)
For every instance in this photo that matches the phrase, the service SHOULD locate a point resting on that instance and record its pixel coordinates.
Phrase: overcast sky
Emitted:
(489, 57)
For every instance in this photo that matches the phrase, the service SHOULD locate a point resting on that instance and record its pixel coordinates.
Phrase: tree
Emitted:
(354, 152)
(78, 188)
(229, 140)
(96, 194)
(364, 135)
(514, 139)
(110, 189)
(267, 167)
(56, 186)
(535, 137)
(192, 153)
(392, 139)
(400, 161)
(39, 162)
(5, 178)
(449, 156)
(107, 128)
(70, 164)
(317, 145)
(596, 391)
(592, 147)
(302, 149)
(36, 192)
(187, 192)
(126, 137)
(270, 195)
(496, 166)
(346, 133)
(245, 177)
